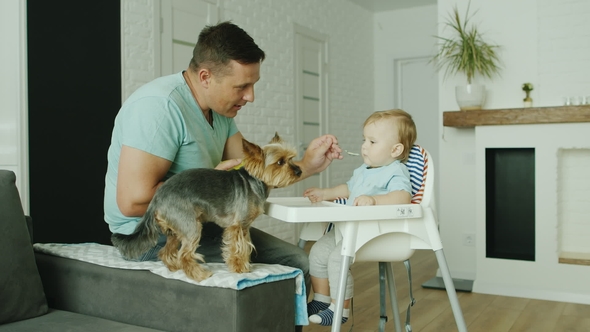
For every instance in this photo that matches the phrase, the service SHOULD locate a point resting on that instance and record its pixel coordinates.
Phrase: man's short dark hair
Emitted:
(219, 44)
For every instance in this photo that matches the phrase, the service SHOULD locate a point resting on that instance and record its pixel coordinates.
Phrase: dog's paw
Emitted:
(197, 273)
(205, 275)
(239, 268)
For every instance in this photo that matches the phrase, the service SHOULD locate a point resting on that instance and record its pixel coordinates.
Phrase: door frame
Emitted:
(398, 63)
(324, 102)
(163, 33)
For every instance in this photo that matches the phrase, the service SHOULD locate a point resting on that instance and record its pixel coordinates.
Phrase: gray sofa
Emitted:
(47, 293)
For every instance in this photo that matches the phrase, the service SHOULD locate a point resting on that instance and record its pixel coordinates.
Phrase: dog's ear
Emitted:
(251, 149)
(276, 139)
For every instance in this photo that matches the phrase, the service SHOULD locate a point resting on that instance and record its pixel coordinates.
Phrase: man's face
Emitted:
(229, 92)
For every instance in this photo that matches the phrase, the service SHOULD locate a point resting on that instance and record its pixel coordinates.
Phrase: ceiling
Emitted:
(386, 5)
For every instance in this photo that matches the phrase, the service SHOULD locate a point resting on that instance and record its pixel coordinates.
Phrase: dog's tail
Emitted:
(141, 240)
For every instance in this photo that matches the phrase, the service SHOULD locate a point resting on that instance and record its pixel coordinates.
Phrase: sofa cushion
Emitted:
(140, 297)
(65, 321)
(21, 289)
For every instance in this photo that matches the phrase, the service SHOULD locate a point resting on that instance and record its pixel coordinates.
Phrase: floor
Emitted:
(432, 311)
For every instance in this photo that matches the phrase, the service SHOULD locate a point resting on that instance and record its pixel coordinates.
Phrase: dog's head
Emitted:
(272, 163)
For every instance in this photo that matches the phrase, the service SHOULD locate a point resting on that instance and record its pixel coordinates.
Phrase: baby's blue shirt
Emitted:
(378, 181)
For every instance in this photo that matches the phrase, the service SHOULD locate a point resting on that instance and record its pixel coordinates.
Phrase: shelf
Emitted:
(574, 258)
(533, 115)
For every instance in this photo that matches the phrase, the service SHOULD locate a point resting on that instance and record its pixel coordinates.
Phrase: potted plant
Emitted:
(527, 88)
(466, 52)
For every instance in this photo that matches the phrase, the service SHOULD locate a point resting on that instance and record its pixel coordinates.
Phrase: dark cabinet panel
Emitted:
(74, 87)
(510, 203)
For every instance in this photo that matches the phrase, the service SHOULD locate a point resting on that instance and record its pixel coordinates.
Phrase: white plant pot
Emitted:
(470, 97)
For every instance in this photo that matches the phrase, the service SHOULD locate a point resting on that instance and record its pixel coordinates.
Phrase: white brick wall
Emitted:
(137, 44)
(270, 22)
(564, 50)
(350, 67)
(573, 195)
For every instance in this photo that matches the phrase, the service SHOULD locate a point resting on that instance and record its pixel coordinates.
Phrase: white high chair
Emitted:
(381, 233)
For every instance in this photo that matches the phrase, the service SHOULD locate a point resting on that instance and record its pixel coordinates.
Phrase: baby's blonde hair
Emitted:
(407, 133)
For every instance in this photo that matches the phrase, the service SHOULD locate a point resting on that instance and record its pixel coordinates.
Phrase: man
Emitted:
(185, 120)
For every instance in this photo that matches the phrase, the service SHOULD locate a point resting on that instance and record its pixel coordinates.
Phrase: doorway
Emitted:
(311, 108)
(310, 94)
(182, 21)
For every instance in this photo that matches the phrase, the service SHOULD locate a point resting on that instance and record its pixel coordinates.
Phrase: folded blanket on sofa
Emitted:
(109, 256)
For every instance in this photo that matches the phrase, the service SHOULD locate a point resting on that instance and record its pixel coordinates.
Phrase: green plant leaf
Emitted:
(465, 51)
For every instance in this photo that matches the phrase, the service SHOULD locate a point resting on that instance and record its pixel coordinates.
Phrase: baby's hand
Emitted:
(314, 194)
(364, 200)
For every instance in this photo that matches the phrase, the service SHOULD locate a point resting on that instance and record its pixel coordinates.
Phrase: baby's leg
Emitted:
(318, 268)
(326, 316)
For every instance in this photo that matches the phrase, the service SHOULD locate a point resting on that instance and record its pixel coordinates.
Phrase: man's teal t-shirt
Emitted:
(163, 119)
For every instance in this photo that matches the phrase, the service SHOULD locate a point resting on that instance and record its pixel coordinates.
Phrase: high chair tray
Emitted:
(300, 209)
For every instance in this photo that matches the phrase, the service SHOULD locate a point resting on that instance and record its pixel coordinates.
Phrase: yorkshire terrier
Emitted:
(232, 199)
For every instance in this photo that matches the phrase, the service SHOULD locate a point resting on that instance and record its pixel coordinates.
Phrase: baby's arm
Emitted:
(394, 197)
(327, 194)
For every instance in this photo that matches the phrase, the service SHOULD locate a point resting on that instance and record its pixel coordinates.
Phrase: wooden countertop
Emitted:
(532, 115)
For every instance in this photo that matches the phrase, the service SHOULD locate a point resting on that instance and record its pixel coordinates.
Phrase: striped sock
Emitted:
(315, 306)
(325, 317)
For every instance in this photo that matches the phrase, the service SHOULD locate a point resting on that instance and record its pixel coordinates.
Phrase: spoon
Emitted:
(352, 153)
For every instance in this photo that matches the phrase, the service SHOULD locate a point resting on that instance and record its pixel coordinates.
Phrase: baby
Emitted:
(382, 179)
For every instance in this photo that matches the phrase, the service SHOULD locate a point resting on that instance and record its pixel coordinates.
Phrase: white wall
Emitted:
(543, 42)
(13, 102)
(270, 22)
(400, 34)
(403, 38)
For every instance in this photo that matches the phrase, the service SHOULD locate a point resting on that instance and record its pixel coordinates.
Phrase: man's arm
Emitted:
(318, 156)
(140, 174)
(233, 147)
(233, 152)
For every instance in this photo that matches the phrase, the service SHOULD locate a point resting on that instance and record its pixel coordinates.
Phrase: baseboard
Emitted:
(461, 285)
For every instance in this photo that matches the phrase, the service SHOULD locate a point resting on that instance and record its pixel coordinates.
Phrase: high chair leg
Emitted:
(302, 243)
(388, 267)
(451, 293)
(382, 314)
(412, 299)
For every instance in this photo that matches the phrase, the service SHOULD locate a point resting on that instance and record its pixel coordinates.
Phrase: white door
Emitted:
(181, 23)
(310, 101)
(416, 92)
(311, 107)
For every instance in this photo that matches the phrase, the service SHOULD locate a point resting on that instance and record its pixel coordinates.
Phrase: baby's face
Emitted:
(380, 139)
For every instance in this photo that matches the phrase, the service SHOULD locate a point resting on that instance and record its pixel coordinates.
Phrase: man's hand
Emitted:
(228, 164)
(320, 153)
